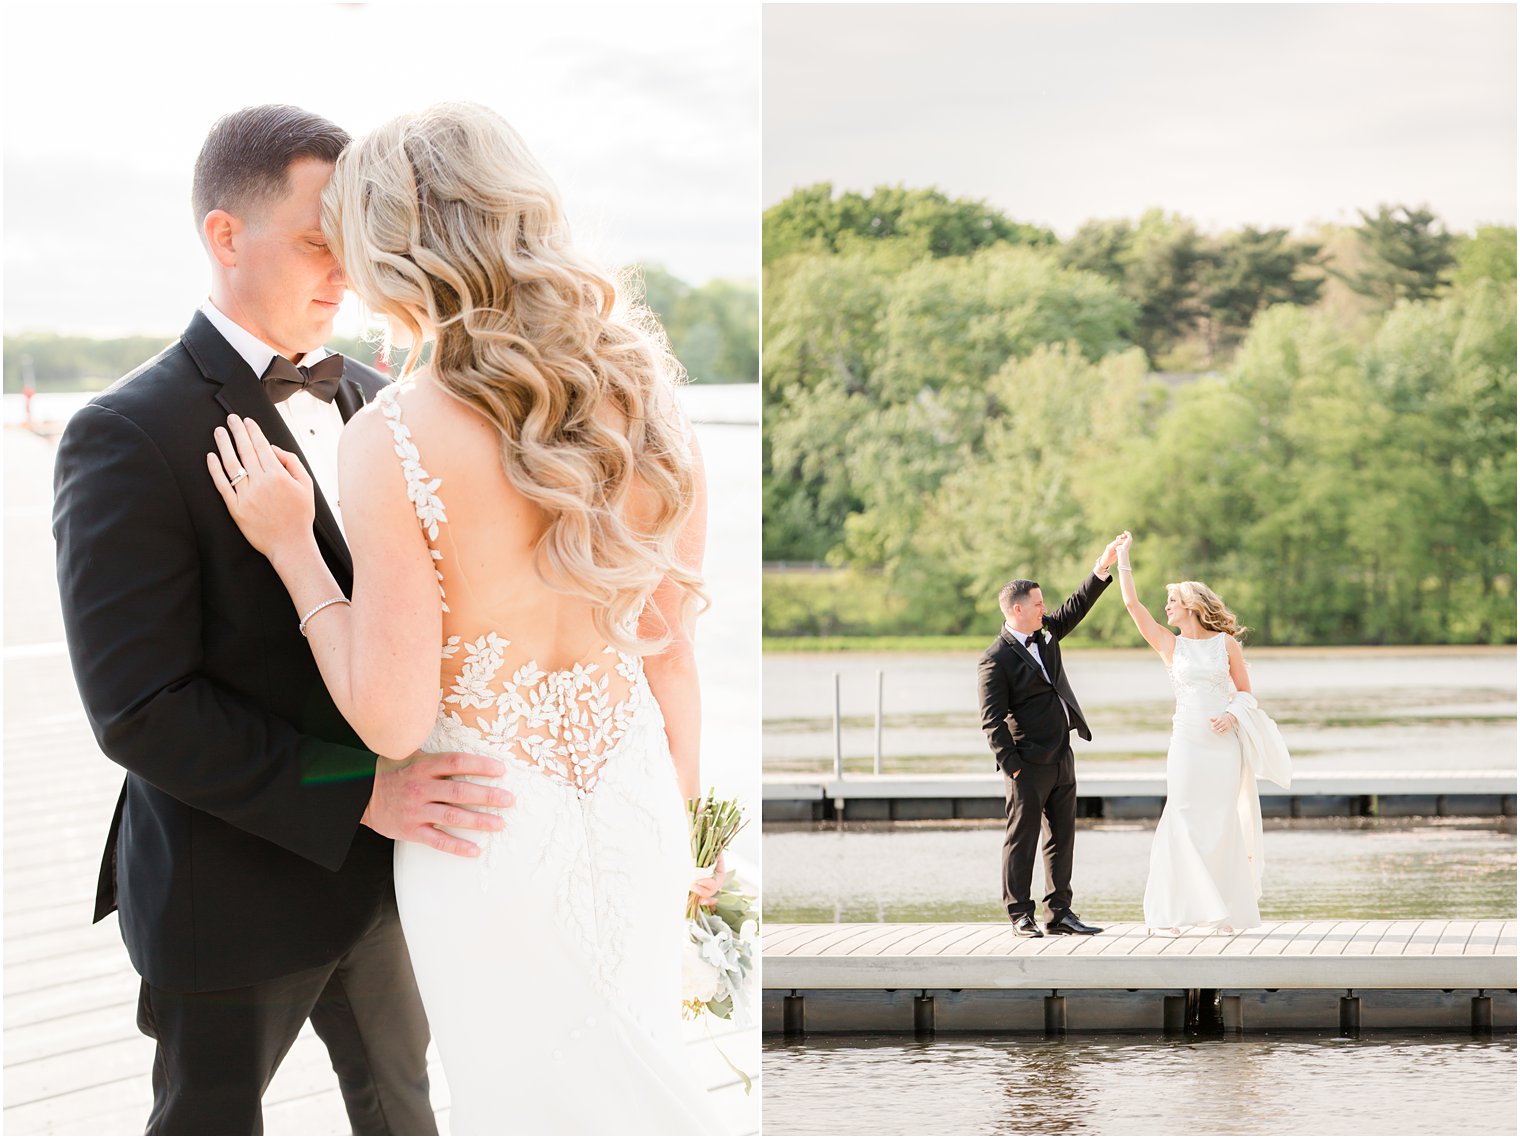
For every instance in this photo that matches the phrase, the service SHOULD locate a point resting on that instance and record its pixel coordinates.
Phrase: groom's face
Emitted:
(286, 281)
(1028, 616)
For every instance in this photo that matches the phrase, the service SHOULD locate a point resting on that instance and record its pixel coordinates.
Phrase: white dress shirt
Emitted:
(314, 423)
(1023, 639)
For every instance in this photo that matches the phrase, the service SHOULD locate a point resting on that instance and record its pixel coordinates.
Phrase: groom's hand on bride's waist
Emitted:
(416, 796)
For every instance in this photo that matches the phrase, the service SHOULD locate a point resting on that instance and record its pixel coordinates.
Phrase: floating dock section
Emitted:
(1342, 976)
(1105, 795)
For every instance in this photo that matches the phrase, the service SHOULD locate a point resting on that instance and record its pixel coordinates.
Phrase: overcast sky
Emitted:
(1228, 114)
(645, 115)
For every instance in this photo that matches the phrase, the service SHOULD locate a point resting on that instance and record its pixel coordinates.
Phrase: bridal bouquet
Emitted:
(720, 956)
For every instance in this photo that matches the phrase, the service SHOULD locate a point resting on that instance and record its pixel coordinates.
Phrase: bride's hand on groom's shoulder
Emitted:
(267, 490)
(416, 796)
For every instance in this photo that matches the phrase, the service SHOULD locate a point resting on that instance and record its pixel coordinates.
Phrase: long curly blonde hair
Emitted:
(1204, 604)
(446, 225)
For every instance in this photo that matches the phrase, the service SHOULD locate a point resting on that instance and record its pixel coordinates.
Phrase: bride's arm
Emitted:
(1238, 674)
(1156, 635)
(378, 656)
(672, 674)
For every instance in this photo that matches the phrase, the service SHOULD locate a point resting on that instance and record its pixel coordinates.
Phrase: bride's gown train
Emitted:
(1206, 857)
(550, 967)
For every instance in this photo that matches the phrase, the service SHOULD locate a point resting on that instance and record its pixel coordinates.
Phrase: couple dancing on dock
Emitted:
(1206, 858)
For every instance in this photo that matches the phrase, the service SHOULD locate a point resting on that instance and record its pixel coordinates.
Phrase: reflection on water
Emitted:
(1451, 870)
(1278, 1084)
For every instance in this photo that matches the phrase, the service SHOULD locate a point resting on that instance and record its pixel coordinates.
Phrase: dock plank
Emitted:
(1318, 954)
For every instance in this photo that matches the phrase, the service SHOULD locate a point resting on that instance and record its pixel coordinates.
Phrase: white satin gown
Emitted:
(1205, 867)
(550, 966)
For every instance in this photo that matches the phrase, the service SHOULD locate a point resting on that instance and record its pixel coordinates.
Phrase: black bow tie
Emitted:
(1034, 641)
(282, 379)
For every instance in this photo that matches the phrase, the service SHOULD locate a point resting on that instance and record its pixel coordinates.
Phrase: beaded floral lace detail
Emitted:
(421, 487)
(1201, 669)
(564, 723)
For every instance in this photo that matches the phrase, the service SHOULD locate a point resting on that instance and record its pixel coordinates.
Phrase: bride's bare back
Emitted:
(522, 664)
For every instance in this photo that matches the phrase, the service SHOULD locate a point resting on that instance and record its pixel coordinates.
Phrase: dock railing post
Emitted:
(879, 685)
(838, 741)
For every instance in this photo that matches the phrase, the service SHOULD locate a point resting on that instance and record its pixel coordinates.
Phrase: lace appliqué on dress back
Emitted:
(564, 723)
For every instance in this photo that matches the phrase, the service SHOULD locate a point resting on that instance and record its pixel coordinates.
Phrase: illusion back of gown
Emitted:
(555, 957)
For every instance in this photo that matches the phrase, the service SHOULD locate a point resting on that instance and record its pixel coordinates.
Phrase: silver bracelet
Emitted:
(314, 610)
(1124, 567)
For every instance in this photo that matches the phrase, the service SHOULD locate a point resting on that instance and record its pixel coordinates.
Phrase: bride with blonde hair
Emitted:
(1206, 859)
(526, 513)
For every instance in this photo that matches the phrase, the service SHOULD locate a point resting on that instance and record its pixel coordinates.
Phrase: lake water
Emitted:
(1262, 1084)
(1340, 709)
(934, 873)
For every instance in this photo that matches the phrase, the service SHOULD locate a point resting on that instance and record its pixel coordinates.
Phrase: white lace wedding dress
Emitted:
(550, 967)
(1206, 857)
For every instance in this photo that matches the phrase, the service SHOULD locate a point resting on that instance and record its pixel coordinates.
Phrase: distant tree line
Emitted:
(942, 413)
(713, 328)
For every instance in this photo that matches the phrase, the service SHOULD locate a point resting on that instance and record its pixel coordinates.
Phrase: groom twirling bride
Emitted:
(1028, 711)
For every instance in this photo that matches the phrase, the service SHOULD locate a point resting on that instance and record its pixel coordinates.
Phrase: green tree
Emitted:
(1410, 255)
(1249, 270)
(1486, 255)
(814, 220)
(1157, 262)
(714, 329)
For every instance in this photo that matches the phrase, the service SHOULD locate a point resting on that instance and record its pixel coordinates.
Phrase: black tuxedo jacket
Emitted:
(236, 854)
(1021, 710)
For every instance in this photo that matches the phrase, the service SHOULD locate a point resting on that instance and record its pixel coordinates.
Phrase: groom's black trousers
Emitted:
(1048, 792)
(217, 1051)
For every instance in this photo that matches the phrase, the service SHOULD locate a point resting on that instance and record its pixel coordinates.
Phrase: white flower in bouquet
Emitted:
(699, 979)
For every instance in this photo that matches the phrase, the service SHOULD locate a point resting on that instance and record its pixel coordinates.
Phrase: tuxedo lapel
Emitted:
(350, 397)
(240, 392)
(1019, 653)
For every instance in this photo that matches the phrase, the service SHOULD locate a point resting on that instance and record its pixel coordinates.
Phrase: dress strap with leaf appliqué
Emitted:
(421, 487)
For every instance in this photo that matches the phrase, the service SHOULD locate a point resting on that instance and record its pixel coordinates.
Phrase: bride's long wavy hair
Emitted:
(1204, 604)
(446, 225)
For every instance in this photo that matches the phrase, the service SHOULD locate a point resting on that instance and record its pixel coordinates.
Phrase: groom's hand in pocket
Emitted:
(416, 796)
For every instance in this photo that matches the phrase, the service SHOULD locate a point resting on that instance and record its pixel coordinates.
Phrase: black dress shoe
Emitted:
(1070, 923)
(1024, 925)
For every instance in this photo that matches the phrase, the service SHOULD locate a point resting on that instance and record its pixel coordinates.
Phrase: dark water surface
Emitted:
(1277, 1084)
(1441, 869)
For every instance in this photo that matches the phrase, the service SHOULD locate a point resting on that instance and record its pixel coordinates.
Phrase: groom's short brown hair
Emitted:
(1016, 592)
(243, 162)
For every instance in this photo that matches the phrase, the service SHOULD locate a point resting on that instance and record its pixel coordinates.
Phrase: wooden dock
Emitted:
(874, 977)
(1111, 795)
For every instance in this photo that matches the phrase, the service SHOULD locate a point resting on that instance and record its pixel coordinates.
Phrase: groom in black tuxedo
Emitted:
(1028, 712)
(250, 852)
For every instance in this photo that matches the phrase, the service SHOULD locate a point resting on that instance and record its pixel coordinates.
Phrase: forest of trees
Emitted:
(1320, 427)
(714, 329)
